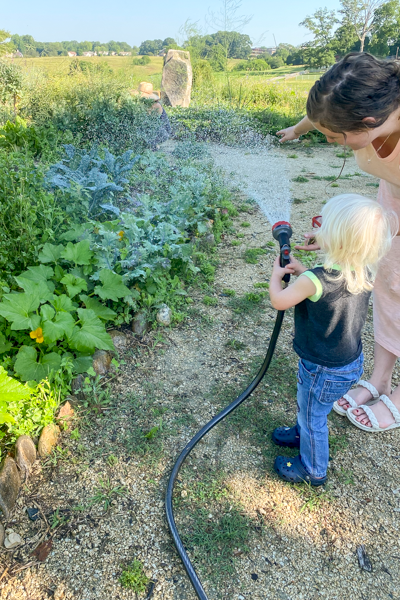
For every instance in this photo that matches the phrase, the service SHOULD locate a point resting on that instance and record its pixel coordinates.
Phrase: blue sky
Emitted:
(135, 21)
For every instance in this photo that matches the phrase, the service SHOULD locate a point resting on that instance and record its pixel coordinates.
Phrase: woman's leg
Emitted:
(381, 377)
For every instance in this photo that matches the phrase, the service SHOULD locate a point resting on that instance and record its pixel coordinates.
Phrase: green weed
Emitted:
(229, 292)
(251, 255)
(134, 578)
(235, 243)
(245, 224)
(300, 179)
(338, 443)
(345, 476)
(240, 235)
(235, 345)
(262, 285)
(106, 492)
(210, 301)
(292, 156)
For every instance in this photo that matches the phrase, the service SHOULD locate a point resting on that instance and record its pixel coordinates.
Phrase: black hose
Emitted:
(194, 579)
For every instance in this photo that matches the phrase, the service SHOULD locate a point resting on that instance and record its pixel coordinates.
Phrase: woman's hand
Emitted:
(309, 247)
(288, 134)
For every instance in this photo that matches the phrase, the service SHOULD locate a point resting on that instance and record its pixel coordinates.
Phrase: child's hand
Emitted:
(297, 267)
(307, 246)
(279, 272)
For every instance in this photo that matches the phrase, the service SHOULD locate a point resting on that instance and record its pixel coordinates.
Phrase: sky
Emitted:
(133, 21)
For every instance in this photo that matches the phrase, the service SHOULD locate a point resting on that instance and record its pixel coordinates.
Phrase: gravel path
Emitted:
(297, 544)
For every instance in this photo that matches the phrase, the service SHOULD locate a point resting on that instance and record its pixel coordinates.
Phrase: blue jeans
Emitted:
(317, 389)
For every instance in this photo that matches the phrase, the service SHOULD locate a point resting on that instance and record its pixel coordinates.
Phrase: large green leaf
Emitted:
(40, 273)
(82, 363)
(113, 286)
(51, 253)
(79, 254)
(74, 285)
(63, 303)
(29, 369)
(12, 390)
(17, 309)
(91, 333)
(98, 308)
(35, 287)
(56, 329)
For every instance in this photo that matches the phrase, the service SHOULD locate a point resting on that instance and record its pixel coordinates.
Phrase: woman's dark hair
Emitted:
(356, 87)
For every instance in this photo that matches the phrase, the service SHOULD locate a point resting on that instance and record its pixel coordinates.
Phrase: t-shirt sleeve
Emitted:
(315, 297)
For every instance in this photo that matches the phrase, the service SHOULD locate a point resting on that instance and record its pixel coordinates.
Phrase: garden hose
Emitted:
(190, 570)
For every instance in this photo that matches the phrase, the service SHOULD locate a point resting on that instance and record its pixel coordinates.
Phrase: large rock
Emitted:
(176, 84)
(140, 323)
(48, 439)
(25, 455)
(164, 315)
(119, 340)
(65, 416)
(101, 362)
(10, 482)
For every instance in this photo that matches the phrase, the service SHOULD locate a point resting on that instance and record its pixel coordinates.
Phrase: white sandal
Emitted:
(374, 421)
(365, 384)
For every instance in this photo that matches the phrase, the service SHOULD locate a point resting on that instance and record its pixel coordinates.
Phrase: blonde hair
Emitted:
(356, 233)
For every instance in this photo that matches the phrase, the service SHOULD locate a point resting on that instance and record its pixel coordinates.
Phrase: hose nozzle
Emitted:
(282, 232)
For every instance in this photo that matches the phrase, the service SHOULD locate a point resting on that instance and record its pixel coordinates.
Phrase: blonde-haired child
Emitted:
(331, 306)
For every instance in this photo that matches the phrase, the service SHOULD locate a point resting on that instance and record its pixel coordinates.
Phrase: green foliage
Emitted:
(29, 216)
(300, 179)
(251, 255)
(17, 136)
(11, 80)
(210, 301)
(134, 578)
(82, 66)
(30, 409)
(229, 292)
(143, 61)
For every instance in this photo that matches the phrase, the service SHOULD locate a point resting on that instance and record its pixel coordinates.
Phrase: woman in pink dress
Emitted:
(357, 103)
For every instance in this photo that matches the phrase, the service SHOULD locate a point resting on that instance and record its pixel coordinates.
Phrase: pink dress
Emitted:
(387, 283)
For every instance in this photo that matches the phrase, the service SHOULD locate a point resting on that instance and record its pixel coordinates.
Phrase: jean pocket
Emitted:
(306, 368)
(334, 390)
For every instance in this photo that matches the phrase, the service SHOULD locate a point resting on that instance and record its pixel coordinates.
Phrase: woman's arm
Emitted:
(292, 133)
(302, 288)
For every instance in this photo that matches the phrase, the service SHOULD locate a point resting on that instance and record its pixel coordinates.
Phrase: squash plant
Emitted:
(61, 311)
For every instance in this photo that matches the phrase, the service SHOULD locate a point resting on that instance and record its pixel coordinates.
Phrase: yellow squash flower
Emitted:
(121, 234)
(37, 334)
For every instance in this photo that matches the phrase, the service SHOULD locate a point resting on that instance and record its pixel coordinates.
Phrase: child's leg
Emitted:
(318, 388)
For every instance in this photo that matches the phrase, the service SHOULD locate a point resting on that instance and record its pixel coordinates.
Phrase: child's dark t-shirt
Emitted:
(328, 325)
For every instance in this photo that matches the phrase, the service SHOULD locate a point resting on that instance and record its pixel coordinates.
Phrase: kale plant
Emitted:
(98, 180)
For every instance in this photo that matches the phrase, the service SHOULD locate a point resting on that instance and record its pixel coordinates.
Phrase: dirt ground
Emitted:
(250, 535)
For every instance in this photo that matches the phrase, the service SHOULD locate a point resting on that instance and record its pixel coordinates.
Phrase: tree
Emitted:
(345, 40)
(320, 51)
(151, 47)
(217, 58)
(5, 47)
(169, 41)
(385, 37)
(227, 21)
(360, 15)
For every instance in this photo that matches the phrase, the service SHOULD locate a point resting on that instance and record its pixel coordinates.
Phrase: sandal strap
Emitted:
(391, 407)
(374, 421)
(350, 400)
(368, 386)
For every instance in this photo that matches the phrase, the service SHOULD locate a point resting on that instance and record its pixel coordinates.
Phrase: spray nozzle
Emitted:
(282, 232)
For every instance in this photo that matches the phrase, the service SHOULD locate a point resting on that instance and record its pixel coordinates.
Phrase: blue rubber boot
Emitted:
(286, 436)
(292, 470)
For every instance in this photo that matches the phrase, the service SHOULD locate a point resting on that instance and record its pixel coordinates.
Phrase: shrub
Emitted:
(134, 578)
(29, 216)
(142, 62)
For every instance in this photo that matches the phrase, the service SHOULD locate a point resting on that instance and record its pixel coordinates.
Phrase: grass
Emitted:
(58, 66)
(300, 179)
(251, 255)
(229, 292)
(247, 303)
(262, 285)
(235, 345)
(245, 224)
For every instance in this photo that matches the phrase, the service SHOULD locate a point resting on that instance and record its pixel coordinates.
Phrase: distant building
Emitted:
(162, 53)
(113, 54)
(89, 53)
(125, 53)
(259, 51)
(72, 53)
(103, 53)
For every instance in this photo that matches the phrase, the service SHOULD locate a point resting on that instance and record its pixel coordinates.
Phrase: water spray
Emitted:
(282, 232)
